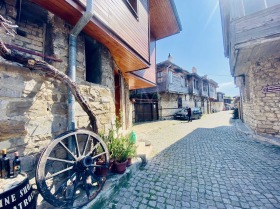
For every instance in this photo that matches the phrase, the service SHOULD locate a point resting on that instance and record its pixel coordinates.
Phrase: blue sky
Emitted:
(200, 43)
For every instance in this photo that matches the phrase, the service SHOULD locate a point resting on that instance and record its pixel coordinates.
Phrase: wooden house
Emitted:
(115, 53)
(176, 88)
(251, 34)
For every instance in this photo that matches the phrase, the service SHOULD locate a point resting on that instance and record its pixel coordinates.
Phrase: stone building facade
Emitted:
(261, 109)
(34, 108)
(251, 42)
(177, 88)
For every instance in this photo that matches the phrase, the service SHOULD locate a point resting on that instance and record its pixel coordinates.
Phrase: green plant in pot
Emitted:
(120, 153)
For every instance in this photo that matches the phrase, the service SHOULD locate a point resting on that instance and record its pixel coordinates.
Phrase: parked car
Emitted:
(183, 114)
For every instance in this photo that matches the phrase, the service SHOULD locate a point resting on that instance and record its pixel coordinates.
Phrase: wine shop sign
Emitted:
(19, 197)
(271, 89)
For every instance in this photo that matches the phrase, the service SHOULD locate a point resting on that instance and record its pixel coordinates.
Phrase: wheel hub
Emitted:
(84, 162)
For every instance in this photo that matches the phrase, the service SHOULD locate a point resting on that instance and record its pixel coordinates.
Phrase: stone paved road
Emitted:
(203, 164)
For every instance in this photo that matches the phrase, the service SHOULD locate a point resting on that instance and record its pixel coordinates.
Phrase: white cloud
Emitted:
(228, 88)
(227, 84)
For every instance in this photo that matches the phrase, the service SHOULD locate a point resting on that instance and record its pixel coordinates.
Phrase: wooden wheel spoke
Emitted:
(93, 148)
(74, 183)
(86, 184)
(96, 156)
(86, 144)
(63, 145)
(64, 184)
(59, 172)
(77, 146)
(61, 160)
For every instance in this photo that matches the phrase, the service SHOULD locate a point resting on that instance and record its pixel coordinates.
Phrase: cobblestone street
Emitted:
(203, 164)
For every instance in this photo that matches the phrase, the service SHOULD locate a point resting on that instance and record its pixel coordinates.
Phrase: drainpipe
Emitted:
(72, 59)
(72, 65)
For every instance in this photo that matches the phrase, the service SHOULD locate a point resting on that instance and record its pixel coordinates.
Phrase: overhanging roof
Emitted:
(164, 18)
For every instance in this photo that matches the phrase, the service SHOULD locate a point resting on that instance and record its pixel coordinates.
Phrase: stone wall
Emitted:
(168, 104)
(262, 111)
(218, 106)
(33, 109)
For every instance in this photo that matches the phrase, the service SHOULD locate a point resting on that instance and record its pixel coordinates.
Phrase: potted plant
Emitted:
(120, 153)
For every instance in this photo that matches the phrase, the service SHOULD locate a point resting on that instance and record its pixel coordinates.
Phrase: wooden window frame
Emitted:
(133, 8)
(186, 82)
(170, 75)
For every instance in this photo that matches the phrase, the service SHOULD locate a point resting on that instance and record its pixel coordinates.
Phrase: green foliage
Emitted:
(120, 147)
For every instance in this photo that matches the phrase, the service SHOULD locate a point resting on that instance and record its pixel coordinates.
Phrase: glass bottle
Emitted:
(16, 165)
(5, 161)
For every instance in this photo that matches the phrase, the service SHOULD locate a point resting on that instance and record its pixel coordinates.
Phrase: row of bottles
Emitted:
(5, 168)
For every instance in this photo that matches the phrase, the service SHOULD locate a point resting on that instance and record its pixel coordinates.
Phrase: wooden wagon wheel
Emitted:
(65, 177)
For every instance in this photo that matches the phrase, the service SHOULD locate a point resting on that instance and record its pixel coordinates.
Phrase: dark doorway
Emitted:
(180, 103)
(117, 93)
(146, 111)
(93, 61)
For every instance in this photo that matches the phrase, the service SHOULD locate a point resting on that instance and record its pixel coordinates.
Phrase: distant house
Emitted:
(228, 102)
(218, 105)
(176, 88)
(251, 33)
(116, 52)
(220, 96)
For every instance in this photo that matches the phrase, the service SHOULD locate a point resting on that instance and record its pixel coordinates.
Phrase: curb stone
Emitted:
(249, 132)
(112, 185)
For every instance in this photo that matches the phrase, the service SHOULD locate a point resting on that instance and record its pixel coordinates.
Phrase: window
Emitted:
(93, 61)
(170, 75)
(195, 83)
(180, 103)
(205, 87)
(211, 88)
(159, 80)
(159, 77)
(251, 6)
(133, 7)
(182, 81)
(186, 82)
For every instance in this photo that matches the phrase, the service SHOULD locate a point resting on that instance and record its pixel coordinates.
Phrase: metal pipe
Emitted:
(72, 67)
(72, 59)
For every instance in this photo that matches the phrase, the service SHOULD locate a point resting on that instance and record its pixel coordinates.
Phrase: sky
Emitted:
(200, 43)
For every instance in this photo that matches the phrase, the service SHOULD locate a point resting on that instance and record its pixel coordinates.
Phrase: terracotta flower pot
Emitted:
(99, 171)
(120, 167)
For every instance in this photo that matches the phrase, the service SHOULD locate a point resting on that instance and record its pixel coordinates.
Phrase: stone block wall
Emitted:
(218, 106)
(168, 104)
(33, 109)
(262, 111)
(33, 40)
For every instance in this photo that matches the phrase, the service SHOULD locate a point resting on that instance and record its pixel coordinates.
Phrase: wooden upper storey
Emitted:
(250, 31)
(116, 26)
